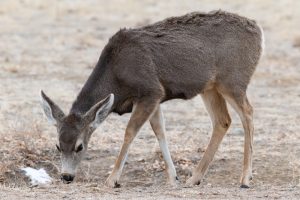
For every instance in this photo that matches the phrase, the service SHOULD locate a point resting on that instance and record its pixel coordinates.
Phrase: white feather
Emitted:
(37, 177)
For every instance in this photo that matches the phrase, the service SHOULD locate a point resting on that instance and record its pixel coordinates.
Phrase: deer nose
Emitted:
(67, 178)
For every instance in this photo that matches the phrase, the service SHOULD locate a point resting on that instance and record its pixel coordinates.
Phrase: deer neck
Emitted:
(97, 87)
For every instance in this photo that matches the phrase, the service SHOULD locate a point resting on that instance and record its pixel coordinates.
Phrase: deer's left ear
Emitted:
(98, 113)
(52, 111)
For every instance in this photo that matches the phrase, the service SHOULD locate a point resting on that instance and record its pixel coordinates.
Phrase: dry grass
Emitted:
(31, 147)
(28, 148)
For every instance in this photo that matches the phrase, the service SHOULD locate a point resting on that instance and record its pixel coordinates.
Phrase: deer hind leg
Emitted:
(242, 106)
(141, 113)
(158, 126)
(217, 110)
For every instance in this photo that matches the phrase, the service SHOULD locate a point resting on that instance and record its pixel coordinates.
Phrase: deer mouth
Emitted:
(67, 178)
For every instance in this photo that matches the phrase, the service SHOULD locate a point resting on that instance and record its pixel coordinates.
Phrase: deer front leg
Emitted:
(141, 113)
(158, 126)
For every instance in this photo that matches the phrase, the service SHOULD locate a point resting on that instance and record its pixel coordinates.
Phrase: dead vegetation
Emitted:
(26, 148)
(32, 148)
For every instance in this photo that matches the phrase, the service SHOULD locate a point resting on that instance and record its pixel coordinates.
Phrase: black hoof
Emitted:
(177, 179)
(117, 185)
(244, 186)
(198, 183)
(251, 178)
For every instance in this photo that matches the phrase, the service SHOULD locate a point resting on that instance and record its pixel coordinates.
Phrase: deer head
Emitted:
(74, 131)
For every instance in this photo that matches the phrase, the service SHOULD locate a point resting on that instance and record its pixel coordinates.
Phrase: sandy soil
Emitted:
(53, 45)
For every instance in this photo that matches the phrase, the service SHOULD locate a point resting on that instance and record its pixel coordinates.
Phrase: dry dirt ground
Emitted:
(53, 45)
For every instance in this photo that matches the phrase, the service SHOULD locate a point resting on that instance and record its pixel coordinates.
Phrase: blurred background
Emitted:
(54, 45)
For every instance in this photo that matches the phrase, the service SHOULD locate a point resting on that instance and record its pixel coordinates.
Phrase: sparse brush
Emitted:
(28, 148)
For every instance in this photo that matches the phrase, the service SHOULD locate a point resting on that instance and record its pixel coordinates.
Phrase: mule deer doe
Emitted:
(212, 54)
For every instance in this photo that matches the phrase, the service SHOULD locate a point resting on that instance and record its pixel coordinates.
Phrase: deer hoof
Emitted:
(174, 181)
(117, 185)
(112, 183)
(193, 181)
(245, 181)
(244, 186)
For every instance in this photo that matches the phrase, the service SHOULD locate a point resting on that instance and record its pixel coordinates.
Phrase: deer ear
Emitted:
(53, 113)
(97, 114)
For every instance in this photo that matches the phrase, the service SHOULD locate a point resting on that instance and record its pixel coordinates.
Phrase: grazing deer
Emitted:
(212, 54)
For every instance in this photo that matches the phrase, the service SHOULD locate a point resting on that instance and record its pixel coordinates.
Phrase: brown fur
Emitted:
(213, 54)
(174, 58)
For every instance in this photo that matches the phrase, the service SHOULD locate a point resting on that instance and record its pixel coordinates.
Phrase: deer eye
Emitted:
(79, 148)
(58, 148)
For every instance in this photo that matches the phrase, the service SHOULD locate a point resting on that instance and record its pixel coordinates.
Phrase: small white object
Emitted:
(37, 177)
(263, 45)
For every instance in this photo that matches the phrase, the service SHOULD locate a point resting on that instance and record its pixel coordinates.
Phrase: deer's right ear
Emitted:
(97, 114)
(53, 113)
